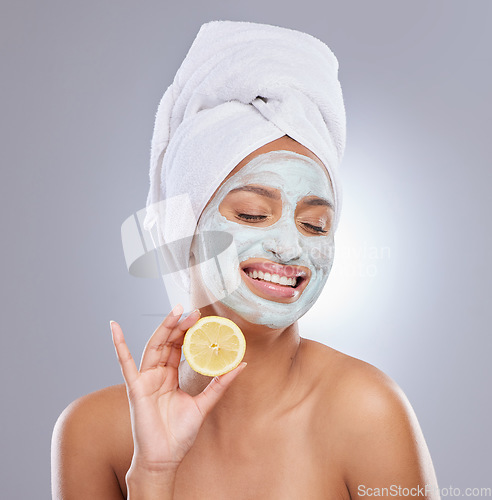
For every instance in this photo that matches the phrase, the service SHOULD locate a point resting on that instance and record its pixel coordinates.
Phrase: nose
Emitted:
(285, 244)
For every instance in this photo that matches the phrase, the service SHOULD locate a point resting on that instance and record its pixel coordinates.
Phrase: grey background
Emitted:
(80, 86)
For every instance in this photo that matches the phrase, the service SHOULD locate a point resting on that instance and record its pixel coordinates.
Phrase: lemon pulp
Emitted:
(214, 345)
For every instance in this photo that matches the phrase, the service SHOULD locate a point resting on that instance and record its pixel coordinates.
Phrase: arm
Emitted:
(80, 465)
(150, 485)
(385, 451)
(165, 420)
(89, 435)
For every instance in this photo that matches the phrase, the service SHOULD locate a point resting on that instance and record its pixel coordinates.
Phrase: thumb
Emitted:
(209, 397)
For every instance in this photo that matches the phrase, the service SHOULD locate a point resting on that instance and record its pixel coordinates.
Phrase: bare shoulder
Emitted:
(95, 416)
(355, 394)
(366, 419)
(88, 439)
(101, 401)
(351, 379)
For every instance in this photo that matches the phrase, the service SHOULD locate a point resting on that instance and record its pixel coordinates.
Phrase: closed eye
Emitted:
(316, 229)
(249, 217)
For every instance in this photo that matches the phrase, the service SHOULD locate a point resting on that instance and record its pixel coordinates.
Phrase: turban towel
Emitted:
(240, 86)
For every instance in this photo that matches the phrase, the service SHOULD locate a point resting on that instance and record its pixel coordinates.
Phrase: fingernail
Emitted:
(111, 325)
(177, 310)
(195, 311)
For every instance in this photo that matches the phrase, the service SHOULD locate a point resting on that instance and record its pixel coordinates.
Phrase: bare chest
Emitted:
(281, 461)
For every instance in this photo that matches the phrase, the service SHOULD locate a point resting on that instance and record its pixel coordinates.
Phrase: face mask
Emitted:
(295, 176)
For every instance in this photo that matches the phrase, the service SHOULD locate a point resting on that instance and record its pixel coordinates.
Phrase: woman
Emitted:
(301, 420)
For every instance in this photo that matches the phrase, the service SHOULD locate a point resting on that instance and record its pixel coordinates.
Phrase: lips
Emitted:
(273, 281)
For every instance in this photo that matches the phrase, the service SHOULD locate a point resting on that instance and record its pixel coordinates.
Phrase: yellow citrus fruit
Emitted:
(214, 345)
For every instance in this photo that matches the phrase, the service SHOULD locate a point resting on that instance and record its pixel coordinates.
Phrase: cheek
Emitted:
(213, 220)
(321, 253)
(247, 238)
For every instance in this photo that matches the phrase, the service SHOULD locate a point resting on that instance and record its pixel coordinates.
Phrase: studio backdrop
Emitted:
(409, 291)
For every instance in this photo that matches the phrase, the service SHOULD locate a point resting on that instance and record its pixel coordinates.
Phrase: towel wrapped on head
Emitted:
(240, 86)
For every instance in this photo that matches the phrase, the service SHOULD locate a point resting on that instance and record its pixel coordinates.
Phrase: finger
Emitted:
(128, 367)
(156, 343)
(172, 365)
(209, 397)
(175, 340)
(174, 357)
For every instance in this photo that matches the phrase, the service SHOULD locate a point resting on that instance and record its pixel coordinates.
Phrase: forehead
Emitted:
(293, 174)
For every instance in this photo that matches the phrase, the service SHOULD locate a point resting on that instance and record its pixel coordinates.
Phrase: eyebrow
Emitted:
(258, 190)
(276, 196)
(318, 201)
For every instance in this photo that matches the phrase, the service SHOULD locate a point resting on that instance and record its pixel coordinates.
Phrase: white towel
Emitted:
(240, 86)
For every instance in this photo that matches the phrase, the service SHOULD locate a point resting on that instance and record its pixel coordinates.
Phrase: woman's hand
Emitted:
(165, 420)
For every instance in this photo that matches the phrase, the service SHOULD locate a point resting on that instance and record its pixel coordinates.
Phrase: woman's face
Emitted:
(278, 208)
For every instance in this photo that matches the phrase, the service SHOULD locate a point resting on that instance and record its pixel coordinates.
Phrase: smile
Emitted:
(273, 278)
(273, 281)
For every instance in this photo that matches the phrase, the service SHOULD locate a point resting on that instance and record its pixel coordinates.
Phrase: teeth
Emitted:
(274, 278)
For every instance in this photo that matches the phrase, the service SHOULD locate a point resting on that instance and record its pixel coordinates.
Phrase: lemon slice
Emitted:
(214, 345)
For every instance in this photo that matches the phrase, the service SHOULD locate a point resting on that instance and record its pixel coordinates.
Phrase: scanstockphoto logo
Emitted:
(363, 261)
(426, 491)
(161, 249)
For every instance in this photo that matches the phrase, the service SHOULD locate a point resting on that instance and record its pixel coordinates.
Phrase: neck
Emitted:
(272, 369)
